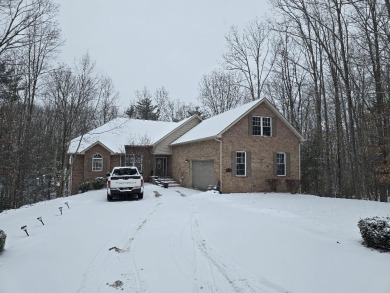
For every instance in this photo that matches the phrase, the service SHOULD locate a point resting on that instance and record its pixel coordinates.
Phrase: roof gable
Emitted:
(215, 126)
(119, 132)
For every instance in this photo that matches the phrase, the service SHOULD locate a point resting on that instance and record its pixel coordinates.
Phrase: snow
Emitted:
(119, 132)
(183, 240)
(215, 125)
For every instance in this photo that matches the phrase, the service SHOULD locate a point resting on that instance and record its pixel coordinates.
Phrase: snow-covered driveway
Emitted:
(180, 240)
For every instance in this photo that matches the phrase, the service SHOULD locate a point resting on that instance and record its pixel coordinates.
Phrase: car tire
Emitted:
(141, 195)
(109, 197)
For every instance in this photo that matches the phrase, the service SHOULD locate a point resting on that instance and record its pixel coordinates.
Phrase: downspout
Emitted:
(71, 176)
(220, 163)
(299, 167)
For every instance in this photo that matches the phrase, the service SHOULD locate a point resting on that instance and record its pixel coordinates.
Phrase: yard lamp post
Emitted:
(60, 208)
(40, 219)
(24, 228)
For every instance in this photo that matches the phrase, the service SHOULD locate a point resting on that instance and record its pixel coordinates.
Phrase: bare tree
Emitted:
(17, 17)
(107, 101)
(248, 54)
(220, 91)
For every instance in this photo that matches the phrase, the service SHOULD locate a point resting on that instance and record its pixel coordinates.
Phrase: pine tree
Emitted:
(146, 110)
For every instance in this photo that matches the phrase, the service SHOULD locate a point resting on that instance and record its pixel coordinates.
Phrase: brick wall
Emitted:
(182, 155)
(237, 138)
(77, 173)
(97, 149)
(82, 166)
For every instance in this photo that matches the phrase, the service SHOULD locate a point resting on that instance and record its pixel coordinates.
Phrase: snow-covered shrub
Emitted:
(85, 186)
(99, 183)
(273, 184)
(3, 236)
(376, 232)
(292, 185)
(91, 184)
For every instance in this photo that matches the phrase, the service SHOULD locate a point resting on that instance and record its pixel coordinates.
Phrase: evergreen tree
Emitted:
(146, 110)
(143, 108)
(196, 111)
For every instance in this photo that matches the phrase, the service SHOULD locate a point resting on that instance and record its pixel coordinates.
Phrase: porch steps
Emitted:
(161, 181)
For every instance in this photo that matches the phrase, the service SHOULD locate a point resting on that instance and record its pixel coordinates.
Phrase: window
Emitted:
(134, 160)
(256, 125)
(97, 163)
(241, 163)
(261, 126)
(280, 164)
(125, 171)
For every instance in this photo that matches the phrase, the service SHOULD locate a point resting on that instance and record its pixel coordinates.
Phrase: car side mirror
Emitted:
(108, 174)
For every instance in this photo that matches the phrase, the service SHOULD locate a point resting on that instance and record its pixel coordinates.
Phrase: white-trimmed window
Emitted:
(281, 164)
(134, 160)
(97, 163)
(261, 126)
(241, 163)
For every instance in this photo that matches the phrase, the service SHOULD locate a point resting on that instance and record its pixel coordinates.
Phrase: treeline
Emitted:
(326, 67)
(331, 78)
(43, 102)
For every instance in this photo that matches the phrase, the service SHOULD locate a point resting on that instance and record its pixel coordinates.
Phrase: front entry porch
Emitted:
(162, 166)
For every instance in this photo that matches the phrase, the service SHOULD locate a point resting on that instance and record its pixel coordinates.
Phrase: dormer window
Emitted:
(97, 163)
(261, 126)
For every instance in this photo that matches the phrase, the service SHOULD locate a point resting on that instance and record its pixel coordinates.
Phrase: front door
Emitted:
(160, 166)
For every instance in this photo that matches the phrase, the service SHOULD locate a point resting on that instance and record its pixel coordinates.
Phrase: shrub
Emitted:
(273, 184)
(99, 183)
(85, 186)
(376, 232)
(92, 184)
(292, 185)
(3, 236)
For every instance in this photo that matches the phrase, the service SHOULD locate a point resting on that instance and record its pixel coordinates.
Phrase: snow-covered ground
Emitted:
(180, 240)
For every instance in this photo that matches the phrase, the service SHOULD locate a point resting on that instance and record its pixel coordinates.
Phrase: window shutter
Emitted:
(250, 125)
(274, 160)
(234, 163)
(248, 163)
(288, 164)
(273, 123)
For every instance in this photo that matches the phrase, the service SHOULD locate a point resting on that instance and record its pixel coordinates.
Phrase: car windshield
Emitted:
(125, 171)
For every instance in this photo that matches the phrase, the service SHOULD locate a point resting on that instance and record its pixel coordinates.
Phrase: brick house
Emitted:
(237, 150)
(125, 142)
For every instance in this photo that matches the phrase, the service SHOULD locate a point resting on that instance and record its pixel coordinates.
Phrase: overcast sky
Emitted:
(153, 43)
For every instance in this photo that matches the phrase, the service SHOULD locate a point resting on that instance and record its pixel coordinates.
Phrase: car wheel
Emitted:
(109, 197)
(141, 195)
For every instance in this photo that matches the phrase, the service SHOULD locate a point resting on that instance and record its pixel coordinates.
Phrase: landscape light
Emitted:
(40, 219)
(67, 205)
(60, 208)
(24, 228)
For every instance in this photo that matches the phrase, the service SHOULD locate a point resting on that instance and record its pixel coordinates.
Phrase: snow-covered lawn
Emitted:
(180, 240)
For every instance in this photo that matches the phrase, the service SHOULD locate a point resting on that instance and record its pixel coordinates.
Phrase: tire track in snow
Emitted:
(238, 279)
(134, 276)
(116, 257)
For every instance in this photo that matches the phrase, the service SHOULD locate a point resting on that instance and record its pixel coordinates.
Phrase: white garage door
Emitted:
(203, 174)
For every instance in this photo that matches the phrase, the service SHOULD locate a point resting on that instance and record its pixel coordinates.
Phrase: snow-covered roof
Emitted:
(117, 133)
(215, 126)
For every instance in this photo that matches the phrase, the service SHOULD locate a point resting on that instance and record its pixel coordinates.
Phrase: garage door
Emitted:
(203, 174)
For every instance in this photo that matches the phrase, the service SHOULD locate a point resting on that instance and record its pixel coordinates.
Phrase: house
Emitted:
(126, 142)
(238, 150)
